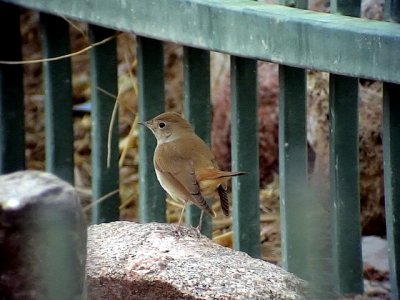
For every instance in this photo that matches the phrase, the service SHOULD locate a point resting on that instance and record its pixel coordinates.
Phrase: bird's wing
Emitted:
(179, 172)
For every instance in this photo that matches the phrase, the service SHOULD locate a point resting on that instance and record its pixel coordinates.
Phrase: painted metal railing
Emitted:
(340, 43)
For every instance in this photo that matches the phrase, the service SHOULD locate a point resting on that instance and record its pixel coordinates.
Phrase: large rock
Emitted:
(127, 260)
(42, 238)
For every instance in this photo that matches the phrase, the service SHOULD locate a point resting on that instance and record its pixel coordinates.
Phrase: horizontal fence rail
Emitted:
(327, 42)
(345, 46)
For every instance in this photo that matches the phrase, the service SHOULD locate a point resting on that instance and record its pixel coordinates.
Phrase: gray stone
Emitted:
(374, 250)
(127, 260)
(42, 238)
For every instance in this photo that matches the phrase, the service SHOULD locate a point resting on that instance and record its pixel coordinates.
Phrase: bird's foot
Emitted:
(178, 231)
(198, 230)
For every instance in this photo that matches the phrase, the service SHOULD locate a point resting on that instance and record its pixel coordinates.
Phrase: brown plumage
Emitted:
(185, 166)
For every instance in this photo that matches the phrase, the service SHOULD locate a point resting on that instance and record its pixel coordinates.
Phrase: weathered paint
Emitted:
(344, 171)
(105, 179)
(391, 159)
(245, 189)
(150, 74)
(344, 187)
(197, 108)
(391, 164)
(293, 169)
(12, 136)
(280, 34)
(293, 165)
(58, 98)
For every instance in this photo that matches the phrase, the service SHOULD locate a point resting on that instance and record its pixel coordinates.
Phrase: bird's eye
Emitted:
(161, 125)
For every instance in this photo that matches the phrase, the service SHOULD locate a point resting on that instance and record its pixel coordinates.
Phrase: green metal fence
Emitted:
(340, 43)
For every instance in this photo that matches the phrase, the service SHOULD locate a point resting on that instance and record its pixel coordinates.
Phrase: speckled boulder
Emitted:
(127, 260)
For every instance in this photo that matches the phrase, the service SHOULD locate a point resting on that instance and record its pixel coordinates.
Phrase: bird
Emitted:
(185, 166)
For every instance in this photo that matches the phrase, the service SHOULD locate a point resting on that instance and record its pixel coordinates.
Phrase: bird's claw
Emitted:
(198, 230)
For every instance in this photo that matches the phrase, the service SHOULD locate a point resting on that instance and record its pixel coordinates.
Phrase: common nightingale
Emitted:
(185, 166)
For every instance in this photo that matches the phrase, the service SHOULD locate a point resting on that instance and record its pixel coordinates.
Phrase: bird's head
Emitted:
(168, 127)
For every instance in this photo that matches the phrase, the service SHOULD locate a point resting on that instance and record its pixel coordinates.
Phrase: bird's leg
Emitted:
(198, 228)
(180, 219)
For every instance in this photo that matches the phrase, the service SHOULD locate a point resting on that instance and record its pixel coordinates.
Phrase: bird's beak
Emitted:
(144, 123)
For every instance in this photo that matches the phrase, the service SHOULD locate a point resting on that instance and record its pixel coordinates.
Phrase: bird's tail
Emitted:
(223, 197)
(232, 174)
(214, 179)
(210, 174)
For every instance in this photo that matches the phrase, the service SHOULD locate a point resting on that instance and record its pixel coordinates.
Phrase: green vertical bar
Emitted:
(12, 136)
(391, 159)
(151, 103)
(293, 165)
(344, 173)
(245, 189)
(197, 107)
(346, 7)
(58, 98)
(293, 169)
(392, 10)
(103, 71)
(391, 164)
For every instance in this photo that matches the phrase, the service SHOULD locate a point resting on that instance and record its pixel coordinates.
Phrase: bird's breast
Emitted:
(162, 181)
(166, 185)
